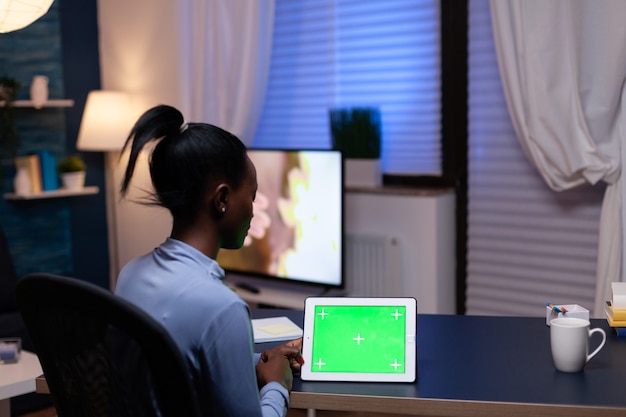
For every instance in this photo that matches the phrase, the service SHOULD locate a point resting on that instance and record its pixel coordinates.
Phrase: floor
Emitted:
(51, 412)
(302, 413)
(46, 412)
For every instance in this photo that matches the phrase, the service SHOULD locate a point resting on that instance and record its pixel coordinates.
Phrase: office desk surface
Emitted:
(482, 366)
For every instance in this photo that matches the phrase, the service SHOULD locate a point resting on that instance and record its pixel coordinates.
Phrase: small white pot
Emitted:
(73, 180)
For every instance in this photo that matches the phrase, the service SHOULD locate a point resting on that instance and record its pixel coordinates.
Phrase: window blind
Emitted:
(527, 245)
(345, 53)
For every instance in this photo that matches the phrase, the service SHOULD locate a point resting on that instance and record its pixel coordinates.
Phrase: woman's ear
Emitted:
(220, 201)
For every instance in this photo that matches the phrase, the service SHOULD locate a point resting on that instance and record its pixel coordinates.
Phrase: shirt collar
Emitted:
(181, 248)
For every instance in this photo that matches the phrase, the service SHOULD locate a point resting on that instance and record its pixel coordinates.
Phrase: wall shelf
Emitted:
(49, 103)
(53, 194)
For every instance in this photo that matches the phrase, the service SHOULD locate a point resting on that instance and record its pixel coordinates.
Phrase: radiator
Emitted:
(373, 266)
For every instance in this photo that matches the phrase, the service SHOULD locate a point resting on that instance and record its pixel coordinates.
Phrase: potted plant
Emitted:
(72, 172)
(8, 88)
(357, 133)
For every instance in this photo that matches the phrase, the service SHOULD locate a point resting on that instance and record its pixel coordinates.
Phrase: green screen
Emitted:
(359, 339)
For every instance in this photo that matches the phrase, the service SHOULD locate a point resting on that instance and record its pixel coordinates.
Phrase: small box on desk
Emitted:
(10, 349)
(619, 295)
(566, 310)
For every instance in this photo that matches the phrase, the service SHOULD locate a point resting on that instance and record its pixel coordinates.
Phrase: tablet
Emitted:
(366, 339)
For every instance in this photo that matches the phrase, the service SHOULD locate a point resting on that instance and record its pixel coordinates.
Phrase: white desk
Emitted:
(17, 379)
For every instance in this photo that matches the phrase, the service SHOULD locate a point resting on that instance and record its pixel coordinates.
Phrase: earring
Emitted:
(223, 209)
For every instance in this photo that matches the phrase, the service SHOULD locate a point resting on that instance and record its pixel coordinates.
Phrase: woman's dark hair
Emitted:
(187, 159)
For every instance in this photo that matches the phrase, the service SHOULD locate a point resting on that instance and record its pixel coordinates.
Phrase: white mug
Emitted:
(39, 90)
(569, 340)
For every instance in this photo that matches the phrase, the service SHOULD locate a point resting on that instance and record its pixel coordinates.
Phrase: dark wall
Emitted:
(67, 235)
(81, 67)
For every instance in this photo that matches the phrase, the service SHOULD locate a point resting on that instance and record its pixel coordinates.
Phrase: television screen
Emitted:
(297, 229)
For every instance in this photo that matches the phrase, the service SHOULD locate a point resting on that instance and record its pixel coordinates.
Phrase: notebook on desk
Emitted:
(359, 339)
(275, 329)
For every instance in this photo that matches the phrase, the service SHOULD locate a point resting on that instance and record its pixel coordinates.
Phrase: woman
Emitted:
(204, 177)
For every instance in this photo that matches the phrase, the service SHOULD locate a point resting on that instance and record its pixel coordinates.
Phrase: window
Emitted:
(350, 53)
(527, 245)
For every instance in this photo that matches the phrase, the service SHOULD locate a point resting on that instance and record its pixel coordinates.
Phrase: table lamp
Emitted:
(106, 123)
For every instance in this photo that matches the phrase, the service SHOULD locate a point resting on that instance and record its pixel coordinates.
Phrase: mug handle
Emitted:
(601, 331)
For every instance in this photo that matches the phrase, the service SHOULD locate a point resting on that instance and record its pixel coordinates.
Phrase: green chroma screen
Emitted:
(359, 339)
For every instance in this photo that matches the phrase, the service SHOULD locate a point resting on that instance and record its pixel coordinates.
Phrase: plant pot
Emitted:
(73, 180)
(362, 173)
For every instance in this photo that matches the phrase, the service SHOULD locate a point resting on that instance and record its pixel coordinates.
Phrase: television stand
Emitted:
(258, 292)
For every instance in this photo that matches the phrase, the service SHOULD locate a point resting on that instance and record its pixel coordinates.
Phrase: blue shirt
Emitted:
(182, 288)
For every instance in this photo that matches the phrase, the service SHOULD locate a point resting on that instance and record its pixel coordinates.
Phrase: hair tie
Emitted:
(184, 127)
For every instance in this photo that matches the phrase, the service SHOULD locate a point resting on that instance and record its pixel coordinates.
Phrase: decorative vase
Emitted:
(21, 182)
(39, 90)
(73, 180)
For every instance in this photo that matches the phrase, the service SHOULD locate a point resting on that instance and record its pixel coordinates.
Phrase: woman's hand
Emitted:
(274, 367)
(278, 364)
(292, 350)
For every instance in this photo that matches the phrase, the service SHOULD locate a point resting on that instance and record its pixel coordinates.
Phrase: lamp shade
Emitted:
(106, 121)
(17, 14)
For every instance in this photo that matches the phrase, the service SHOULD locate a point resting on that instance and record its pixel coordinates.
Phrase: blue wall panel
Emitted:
(38, 230)
(68, 235)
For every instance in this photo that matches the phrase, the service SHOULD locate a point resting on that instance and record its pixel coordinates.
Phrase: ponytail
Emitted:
(157, 123)
(186, 160)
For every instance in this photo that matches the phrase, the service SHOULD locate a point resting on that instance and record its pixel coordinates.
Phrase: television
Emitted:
(296, 233)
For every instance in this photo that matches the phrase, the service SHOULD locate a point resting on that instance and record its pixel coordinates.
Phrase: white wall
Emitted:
(138, 55)
(135, 228)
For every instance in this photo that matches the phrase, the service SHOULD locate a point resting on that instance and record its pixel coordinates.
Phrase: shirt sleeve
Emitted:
(231, 361)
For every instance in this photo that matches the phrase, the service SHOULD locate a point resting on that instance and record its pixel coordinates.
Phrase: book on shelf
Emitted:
(614, 313)
(32, 165)
(49, 176)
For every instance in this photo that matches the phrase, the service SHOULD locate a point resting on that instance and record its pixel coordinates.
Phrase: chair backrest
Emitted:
(101, 355)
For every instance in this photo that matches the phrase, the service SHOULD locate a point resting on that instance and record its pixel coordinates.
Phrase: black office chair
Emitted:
(12, 325)
(102, 356)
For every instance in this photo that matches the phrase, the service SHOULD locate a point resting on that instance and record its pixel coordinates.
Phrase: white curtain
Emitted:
(209, 58)
(563, 67)
(225, 50)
